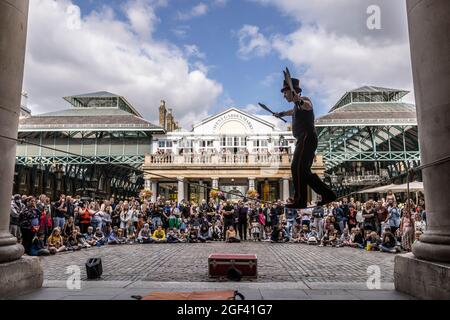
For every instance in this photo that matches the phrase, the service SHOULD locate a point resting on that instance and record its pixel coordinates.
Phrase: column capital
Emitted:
(180, 178)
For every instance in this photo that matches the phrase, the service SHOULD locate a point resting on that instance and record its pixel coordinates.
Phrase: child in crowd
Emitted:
(256, 230)
(231, 235)
(145, 235)
(345, 239)
(313, 237)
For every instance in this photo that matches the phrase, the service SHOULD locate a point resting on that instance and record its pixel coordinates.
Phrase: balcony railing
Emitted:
(252, 159)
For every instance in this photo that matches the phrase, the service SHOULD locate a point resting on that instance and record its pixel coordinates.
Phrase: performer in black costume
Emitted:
(304, 131)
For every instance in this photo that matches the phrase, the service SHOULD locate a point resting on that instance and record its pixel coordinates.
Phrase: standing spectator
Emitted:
(352, 213)
(242, 220)
(393, 219)
(29, 223)
(85, 217)
(318, 214)
(368, 214)
(60, 212)
(228, 217)
(406, 230)
(290, 214)
(338, 213)
(16, 210)
(382, 214)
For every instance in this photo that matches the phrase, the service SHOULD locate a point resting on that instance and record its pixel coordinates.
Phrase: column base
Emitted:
(20, 276)
(422, 279)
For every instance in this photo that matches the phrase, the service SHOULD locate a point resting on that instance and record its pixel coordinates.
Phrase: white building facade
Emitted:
(232, 151)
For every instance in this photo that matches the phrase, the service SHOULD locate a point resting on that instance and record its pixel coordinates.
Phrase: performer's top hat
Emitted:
(295, 83)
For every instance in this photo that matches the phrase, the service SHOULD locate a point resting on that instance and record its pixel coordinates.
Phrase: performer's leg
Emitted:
(313, 179)
(295, 170)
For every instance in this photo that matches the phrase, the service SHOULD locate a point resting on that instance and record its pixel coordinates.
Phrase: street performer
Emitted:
(304, 131)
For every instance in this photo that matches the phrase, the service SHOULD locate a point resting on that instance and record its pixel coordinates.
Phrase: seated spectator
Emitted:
(116, 237)
(330, 237)
(389, 243)
(304, 234)
(68, 228)
(120, 236)
(90, 236)
(356, 238)
(344, 240)
(145, 235)
(417, 235)
(38, 247)
(204, 234)
(215, 231)
(372, 241)
(159, 235)
(313, 237)
(192, 235)
(296, 232)
(99, 237)
(55, 242)
(183, 236)
(173, 236)
(81, 239)
(72, 241)
(231, 235)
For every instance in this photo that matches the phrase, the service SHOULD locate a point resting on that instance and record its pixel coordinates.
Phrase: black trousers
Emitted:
(242, 226)
(301, 170)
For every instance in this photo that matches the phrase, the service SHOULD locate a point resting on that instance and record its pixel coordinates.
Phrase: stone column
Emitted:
(17, 274)
(280, 189)
(285, 188)
(251, 183)
(422, 273)
(202, 190)
(154, 189)
(215, 183)
(180, 193)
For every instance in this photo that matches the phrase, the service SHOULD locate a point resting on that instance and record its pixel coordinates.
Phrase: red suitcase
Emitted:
(219, 264)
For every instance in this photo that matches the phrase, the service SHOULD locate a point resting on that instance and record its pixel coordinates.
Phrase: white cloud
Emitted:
(193, 51)
(105, 53)
(196, 11)
(220, 3)
(334, 50)
(252, 42)
(270, 79)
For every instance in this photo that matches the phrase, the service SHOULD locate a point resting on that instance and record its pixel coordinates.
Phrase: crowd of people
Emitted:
(70, 223)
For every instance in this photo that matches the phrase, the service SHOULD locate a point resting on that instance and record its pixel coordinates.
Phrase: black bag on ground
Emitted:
(94, 268)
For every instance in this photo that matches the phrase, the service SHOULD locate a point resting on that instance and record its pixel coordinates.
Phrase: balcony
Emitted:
(222, 160)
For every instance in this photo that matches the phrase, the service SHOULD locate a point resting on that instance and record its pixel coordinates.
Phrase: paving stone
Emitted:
(307, 266)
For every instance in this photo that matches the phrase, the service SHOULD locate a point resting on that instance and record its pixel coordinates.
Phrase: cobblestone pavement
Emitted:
(188, 262)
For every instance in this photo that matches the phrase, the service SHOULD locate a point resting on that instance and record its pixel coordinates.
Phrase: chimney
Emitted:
(170, 122)
(162, 115)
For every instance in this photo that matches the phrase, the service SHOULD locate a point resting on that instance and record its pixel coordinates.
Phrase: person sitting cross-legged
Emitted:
(145, 235)
(72, 241)
(38, 247)
(231, 235)
(356, 238)
(389, 243)
(55, 242)
(330, 237)
(173, 236)
(159, 236)
(344, 240)
(90, 236)
(313, 237)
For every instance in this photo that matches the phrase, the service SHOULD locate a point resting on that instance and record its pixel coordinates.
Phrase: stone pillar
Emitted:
(251, 183)
(285, 188)
(186, 190)
(202, 190)
(215, 183)
(429, 33)
(180, 192)
(17, 274)
(280, 189)
(154, 189)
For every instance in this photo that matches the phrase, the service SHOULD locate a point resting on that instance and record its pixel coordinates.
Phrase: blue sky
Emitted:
(204, 56)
